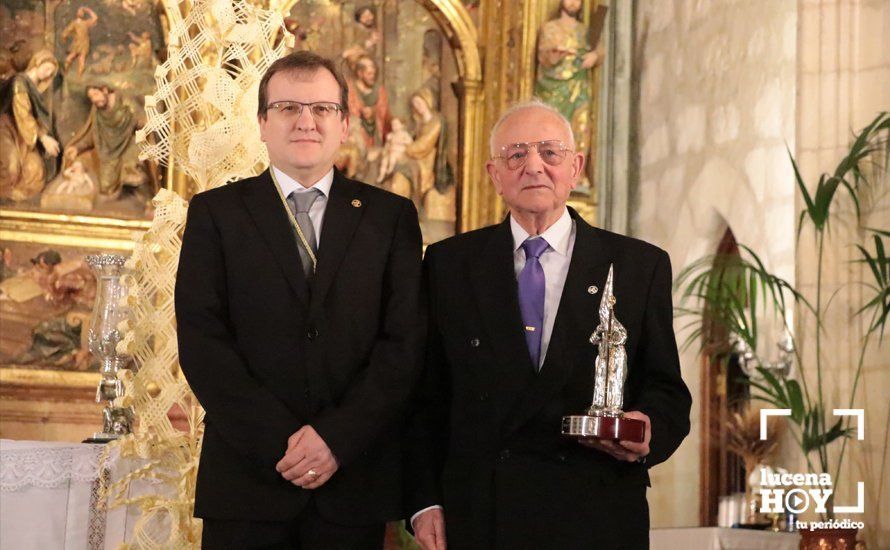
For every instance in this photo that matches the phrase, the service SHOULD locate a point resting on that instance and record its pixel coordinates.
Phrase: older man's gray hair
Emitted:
(533, 103)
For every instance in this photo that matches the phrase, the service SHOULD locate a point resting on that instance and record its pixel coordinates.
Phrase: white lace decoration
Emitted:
(48, 467)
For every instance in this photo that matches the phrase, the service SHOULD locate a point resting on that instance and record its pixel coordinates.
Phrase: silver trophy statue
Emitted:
(604, 418)
(108, 313)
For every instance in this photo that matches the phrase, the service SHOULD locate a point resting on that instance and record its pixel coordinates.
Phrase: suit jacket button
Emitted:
(504, 455)
(483, 396)
(312, 333)
(474, 342)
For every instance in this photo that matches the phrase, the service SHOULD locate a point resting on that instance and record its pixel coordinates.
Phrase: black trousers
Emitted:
(308, 531)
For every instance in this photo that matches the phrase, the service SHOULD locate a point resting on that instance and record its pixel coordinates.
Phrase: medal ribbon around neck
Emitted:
(293, 222)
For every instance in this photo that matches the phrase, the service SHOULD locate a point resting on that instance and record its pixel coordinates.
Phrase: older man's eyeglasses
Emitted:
(552, 152)
(289, 110)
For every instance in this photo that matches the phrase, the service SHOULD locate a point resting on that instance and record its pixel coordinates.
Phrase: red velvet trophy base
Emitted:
(604, 427)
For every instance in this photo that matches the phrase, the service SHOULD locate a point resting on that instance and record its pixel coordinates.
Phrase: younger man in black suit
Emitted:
(297, 304)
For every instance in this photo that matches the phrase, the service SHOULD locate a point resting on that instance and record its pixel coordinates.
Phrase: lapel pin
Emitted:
(592, 289)
(356, 203)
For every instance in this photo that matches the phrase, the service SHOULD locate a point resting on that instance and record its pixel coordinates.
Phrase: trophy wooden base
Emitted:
(604, 427)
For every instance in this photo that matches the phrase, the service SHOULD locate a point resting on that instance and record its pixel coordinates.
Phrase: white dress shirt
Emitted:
(288, 185)
(554, 260)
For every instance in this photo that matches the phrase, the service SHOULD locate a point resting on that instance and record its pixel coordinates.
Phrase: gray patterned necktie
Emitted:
(300, 203)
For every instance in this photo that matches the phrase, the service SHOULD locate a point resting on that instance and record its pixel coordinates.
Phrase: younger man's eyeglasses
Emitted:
(294, 109)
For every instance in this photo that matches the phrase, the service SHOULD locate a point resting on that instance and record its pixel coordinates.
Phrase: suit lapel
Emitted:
(265, 207)
(576, 319)
(494, 285)
(341, 218)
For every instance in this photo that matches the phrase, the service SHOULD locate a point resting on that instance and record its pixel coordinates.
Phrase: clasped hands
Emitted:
(623, 450)
(308, 462)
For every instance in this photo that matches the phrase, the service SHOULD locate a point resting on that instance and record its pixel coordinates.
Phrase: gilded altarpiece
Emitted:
(509, 38)
(73, 76)
(429, 80)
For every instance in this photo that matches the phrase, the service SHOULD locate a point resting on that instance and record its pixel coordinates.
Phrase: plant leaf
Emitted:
(795, 399)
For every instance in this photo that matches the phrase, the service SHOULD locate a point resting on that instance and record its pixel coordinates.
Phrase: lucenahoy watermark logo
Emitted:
(798, 492)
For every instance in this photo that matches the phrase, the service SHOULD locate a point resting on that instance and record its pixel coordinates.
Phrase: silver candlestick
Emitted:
(109, 311)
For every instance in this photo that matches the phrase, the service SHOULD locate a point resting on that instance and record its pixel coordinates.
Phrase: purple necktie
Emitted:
(531, 296)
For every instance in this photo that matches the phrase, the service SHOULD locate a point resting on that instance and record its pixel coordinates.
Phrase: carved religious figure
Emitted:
(352, 158)
(59, 295)
(110, 131)
(130, 6)
(74, 191)
(369, 102)
(29, 146)
(398, 138)
(76, 181)
(366, 39)
(78, 34)
(140, 49)
(428, 180)
(565, 57)
(397, 142)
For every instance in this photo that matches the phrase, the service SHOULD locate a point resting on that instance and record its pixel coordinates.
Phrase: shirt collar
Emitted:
(557, 235)
(288, 184)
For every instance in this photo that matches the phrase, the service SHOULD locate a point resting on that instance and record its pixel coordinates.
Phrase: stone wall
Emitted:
(716, 112)
(843, 82)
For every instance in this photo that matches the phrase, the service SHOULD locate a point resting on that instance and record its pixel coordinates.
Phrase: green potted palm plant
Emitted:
(735, 292)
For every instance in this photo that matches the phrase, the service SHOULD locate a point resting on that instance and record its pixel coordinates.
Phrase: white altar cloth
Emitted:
(721, 538)
(49, 497)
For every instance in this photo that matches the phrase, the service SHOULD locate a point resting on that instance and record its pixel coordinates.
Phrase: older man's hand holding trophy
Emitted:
(606, 426)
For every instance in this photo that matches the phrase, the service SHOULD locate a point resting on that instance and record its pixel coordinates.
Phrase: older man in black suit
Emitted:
(512, 308)
(298, 305)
